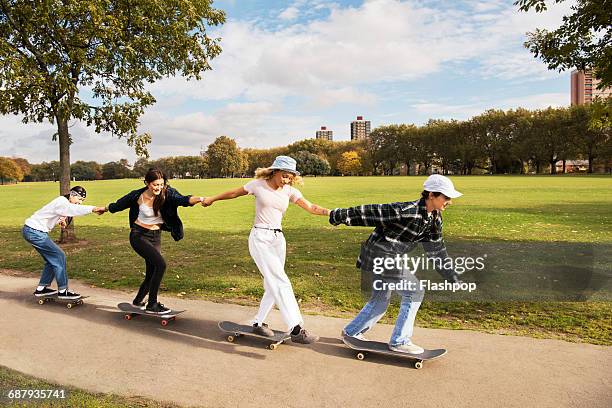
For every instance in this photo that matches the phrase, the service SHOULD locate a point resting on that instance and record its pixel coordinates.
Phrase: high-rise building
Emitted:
(584, 88)
(360, 129)
(325, 134)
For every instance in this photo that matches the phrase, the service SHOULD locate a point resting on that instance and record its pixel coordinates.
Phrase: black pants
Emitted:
(147, 243)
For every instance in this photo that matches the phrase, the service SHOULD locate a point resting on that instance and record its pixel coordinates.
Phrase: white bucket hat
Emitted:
(285, 163)
(437, 183)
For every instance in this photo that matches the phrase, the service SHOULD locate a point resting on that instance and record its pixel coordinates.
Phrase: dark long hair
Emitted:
(152, 175)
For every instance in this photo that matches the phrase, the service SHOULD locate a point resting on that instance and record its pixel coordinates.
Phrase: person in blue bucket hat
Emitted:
(273, 190)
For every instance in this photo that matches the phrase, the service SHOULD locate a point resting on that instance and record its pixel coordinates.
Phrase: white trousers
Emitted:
(268, 249)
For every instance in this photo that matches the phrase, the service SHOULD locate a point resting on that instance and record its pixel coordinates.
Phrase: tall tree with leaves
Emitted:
(51, 50)
(583, 40)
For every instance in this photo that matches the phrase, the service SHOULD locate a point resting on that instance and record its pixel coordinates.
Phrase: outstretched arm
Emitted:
(367, 215)
(312, 208)
(228, 195)
(193, 200)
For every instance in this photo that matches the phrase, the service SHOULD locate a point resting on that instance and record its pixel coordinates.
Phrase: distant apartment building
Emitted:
(360, 129)
(325, 134)
(584, 88)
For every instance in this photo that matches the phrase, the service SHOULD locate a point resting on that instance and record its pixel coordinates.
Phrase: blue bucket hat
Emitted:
(285, 163)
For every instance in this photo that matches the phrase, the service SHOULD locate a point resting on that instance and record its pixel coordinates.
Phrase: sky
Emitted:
(289, 67)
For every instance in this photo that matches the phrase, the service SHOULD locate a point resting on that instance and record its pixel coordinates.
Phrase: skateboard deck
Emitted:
(132, 311)
(236, 330)
(363, 347)
(70, 303)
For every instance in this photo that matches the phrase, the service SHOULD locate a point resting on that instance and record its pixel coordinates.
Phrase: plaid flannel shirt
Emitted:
(399, 227)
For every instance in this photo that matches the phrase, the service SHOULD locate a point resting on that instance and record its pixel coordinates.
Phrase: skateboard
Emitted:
(132, 311)
(236, 330)
(70, 303)
(364, 347)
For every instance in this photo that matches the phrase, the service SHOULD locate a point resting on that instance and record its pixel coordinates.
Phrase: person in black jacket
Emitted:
(153, 209)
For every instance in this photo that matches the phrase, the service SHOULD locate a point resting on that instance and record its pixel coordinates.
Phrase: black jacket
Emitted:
(169, 210)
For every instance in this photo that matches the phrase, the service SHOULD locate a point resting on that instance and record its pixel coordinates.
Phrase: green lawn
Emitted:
(547, 239)
(73, 397)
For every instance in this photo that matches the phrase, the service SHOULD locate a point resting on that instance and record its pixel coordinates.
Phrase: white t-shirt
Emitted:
(270, 205)
(47, 217)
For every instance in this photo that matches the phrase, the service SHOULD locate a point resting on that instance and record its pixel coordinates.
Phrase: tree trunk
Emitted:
(590, 164)
(564, 165)
(553, 166)
(68, 233)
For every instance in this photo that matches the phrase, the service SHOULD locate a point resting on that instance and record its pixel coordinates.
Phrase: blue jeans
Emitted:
(55, 259)
(377, 306)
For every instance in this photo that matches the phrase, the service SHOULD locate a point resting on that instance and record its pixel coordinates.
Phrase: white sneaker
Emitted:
(357, 336)
(409, 348)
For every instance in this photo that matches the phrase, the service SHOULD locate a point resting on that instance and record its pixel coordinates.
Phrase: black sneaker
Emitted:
(68, 295)
(157, 308)
(263, 330)
(45, 292)
(140, 305)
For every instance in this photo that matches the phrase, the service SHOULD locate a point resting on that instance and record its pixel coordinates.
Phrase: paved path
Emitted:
(198, 367)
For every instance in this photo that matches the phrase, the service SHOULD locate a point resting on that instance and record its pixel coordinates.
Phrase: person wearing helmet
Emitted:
(36, 232)
(398, 228)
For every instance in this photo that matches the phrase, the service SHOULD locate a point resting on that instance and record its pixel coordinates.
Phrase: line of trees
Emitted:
(494, 142)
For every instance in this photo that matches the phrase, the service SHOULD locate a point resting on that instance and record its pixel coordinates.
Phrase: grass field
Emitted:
(73, 397)
(550, 222)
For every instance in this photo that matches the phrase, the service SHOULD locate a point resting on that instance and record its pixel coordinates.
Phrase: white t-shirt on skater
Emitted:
(270, 205)
(47, 217)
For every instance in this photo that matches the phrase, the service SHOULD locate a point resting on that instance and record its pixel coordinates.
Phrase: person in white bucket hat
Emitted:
(273, 190)
(399, 227)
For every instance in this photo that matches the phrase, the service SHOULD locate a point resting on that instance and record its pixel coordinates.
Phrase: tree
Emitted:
(583, 40)
(310, 164)
(9, 170)
(320, 147)
(50, 50)
(141, 166)
(591, 142)
(383, 147)
(191, 166)
(45, 171)
(116, 170)
(225, 159)
(82, 170)
(24, 165)
(349, 163)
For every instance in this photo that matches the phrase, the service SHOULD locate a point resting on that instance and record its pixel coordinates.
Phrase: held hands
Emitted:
(62, 222)
(207, 202)
(100, 210)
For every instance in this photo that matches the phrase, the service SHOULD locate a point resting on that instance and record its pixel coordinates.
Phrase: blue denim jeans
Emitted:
(55, 259)
(377, 306)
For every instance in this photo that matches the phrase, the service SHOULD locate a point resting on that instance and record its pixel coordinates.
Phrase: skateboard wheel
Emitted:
(69, 305)
(128, 317)
(41, 302)
(230, 338)
(164, 322)
(80, 302)
(418, 365)
(360, 356)
(273, 346)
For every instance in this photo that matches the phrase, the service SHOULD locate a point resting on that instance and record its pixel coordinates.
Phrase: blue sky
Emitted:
(288, 68)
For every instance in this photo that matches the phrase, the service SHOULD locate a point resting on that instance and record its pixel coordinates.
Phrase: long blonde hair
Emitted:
(267, 173)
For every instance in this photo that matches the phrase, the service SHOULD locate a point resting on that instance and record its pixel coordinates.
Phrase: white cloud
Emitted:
(274, 80)
(466, 111)
(290, 13)
(381, 40)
